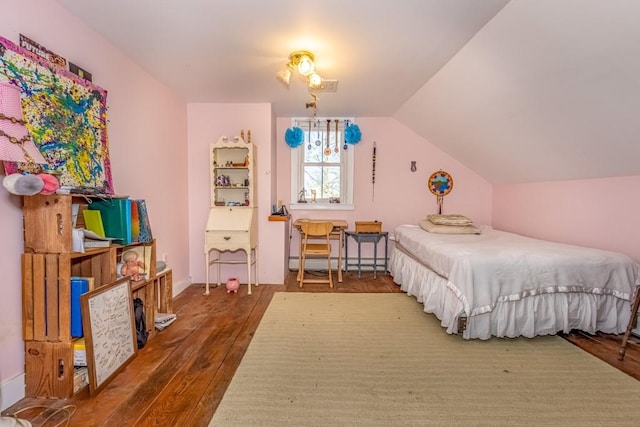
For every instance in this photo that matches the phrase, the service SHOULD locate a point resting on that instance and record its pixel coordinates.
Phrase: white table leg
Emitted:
(206, 261)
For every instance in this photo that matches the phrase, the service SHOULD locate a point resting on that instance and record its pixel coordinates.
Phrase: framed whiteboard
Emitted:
(109, 326)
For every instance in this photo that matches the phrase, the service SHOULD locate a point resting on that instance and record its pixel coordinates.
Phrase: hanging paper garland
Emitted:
(352, 134)
(294, 137)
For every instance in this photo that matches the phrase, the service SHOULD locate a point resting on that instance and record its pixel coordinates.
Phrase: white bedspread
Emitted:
(496, 267)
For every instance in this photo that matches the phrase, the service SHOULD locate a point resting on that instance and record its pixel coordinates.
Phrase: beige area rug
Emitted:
(335, 359)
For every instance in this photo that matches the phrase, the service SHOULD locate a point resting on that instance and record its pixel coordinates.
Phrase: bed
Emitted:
(506, 285)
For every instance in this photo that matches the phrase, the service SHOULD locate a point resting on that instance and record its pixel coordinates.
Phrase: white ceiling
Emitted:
(532, 91)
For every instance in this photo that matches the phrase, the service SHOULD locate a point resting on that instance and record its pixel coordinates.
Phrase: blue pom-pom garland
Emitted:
(352, 134)
(294, 137)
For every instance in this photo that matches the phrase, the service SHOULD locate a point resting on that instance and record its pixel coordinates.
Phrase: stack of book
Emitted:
(124, 220)
(162, 320)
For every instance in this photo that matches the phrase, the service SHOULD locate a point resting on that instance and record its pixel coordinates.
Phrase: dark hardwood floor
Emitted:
(180, 376)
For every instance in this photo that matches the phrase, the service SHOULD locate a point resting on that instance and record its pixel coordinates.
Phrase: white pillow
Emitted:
(427, 225)
(449, 219)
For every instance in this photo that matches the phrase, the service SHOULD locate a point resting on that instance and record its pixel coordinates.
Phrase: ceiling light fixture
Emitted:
(301, 61)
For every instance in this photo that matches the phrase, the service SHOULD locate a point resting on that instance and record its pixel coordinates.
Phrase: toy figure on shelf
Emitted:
(302, 196)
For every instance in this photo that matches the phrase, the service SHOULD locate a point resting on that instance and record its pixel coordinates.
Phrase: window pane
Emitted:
(325, 180)
(315, 146)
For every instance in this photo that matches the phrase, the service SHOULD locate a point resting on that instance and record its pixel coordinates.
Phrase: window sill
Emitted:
(321, 207)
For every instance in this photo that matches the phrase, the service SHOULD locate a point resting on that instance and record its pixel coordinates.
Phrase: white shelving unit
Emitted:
(232, 224)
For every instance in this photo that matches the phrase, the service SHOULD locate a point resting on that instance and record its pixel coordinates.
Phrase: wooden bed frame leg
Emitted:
(633, 321)
(462, 324)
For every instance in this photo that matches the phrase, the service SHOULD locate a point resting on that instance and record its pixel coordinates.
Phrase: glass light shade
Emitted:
(315, 80)
(306, 66)
(284, 76)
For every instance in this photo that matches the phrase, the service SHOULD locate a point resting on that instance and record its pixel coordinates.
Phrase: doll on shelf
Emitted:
(132, 266)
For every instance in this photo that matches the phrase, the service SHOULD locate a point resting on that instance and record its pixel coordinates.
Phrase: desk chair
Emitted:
(316, 244)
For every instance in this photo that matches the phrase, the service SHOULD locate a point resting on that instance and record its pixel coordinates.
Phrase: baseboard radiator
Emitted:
(320, 264)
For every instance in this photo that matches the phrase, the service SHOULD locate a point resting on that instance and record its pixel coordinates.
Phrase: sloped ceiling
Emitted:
(547, 90)
(519, 91)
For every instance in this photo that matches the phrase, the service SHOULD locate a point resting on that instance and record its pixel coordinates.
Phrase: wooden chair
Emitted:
(315, 243)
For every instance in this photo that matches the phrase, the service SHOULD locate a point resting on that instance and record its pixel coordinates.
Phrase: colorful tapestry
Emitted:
(66, 117)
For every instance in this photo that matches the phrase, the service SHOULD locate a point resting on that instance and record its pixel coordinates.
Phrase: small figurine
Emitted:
(233, 285)
(302, 196)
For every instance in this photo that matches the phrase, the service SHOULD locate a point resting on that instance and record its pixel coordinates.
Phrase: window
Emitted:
(320, 172)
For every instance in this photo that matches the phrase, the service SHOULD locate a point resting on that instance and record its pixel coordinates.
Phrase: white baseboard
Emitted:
(11, 391)
(181, 286)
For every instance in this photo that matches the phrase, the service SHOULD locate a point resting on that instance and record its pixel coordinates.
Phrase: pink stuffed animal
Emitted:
(233, 285)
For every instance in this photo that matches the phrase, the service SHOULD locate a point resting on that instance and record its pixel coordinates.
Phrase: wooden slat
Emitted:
(39, 300)
(150, 307)
(164, 291)
(152, 267)
(27, 297)
(111, 266)
(51, 280)
(96, 267)
(64, 297)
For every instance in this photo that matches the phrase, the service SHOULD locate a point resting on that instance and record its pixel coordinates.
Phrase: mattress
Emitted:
(511, 285)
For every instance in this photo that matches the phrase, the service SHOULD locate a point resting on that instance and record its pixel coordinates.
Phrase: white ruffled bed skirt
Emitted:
(544, 314)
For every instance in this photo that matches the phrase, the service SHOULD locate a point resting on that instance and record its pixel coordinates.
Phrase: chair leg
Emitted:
(329, 268)
(301, 267)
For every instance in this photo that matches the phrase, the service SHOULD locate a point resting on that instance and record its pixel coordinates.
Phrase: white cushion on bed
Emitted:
(429, 226)
(449, 219)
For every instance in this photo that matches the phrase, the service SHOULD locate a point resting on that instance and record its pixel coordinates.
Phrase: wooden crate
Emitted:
(47, 223)
(368, 227)
(46, 289)
(48, 369)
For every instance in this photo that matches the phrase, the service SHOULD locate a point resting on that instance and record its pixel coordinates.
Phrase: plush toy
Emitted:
(23, 185)
(233, 285)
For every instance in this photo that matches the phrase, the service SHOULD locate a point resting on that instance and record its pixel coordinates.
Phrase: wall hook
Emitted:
(413, 166)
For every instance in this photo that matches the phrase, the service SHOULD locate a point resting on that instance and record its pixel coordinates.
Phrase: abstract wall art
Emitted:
(65, 115)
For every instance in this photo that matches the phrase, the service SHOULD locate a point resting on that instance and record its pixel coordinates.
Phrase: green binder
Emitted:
(116, 218)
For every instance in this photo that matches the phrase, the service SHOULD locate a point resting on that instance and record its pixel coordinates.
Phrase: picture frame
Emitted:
(139, 266)
(110, 332)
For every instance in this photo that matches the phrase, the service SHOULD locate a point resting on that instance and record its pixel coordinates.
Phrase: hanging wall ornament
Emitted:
(440, 184)
(294, 137)
(373, 172)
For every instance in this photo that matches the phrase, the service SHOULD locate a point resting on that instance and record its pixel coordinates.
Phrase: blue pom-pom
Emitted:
(294, 137)
(352, 134)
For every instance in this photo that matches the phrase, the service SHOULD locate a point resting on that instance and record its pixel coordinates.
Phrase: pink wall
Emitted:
(207, 123)
(401, 196)
(600, 213)
(147, 143)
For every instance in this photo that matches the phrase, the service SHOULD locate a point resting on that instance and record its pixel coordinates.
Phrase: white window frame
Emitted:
(346, 173)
